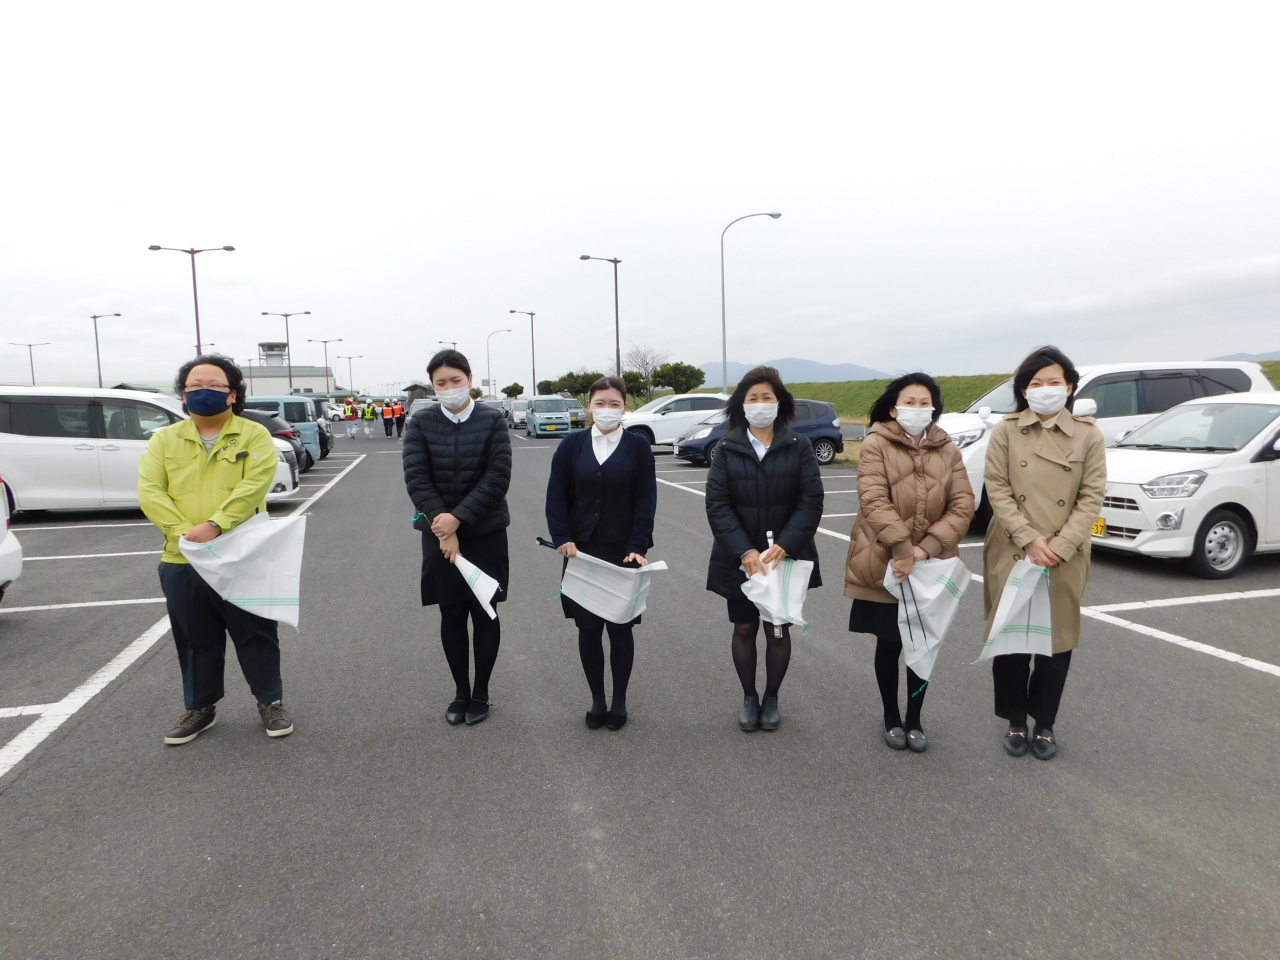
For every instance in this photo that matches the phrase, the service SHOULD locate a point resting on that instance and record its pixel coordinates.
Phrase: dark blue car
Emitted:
(814, 418)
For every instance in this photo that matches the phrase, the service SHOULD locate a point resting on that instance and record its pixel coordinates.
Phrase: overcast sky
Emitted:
(958, 182)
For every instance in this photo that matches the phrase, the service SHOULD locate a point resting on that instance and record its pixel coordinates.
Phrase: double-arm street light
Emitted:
(617, 329)
(351, 380)
(192, 251)
(451, 343)
(287, 349)
(488, 362)
(724, 333)
(326, 359)
(533, 354)
(31, 356)
(95, 317)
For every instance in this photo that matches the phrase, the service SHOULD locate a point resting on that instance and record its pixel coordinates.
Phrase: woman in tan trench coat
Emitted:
(915, 503)
(1046, 474)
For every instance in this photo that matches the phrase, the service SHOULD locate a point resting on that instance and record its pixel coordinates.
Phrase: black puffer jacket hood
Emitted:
(459, 468)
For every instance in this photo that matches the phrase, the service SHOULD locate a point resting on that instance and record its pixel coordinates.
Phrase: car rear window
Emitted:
(1163, 390)
(707, 403)
(1217, 382)
(295, 410)
(45, 416)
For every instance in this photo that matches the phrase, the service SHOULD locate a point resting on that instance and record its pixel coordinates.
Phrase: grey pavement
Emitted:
(377, 830)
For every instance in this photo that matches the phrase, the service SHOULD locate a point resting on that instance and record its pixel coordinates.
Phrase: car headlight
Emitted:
(698, 434)
(967, 438)
(280, 456)
(1174, 485)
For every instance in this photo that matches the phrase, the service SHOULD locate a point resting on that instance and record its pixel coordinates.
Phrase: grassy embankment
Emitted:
(1272, 369)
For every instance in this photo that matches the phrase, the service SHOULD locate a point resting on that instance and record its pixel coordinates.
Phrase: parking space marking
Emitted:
(82, 526)
(328, 486)
(95, 556)
(31, 710)
(1182, 601)
(12, 753)
(826, 515)
(1196, 645)
(73, 606)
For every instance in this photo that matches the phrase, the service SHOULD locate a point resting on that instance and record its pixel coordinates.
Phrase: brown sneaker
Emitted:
(277, 719)
(191, 724)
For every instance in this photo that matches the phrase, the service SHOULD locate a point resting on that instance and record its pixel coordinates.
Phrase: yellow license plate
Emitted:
(1099, 527)
(550, 428)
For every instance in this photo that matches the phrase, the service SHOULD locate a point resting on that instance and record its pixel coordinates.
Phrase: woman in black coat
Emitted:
(601, 500)
(457, 467)
(764, 477)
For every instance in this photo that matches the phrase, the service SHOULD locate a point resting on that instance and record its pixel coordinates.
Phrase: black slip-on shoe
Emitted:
(276, 719)
(1043, 746)
(477, 712)
(769, 716)
(191, 724)
(1015, 741)
(916, 741)
(456, 712)
(896, 737)
(749, 718)
(615, 721)
(595, 720)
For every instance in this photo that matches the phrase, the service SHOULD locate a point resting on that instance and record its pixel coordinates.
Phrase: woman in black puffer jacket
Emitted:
(764, 477)
(457, 467)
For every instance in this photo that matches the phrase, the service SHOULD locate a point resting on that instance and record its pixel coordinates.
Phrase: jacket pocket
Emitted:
(183, 473)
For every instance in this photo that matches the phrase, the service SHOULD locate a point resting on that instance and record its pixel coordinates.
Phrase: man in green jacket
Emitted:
(200, 478)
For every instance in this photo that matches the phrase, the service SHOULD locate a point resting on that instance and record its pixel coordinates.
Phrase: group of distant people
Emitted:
(369, 412)
(1045, 480)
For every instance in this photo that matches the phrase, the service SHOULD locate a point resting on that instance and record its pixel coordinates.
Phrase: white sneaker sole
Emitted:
(281, 733)
(176, 741)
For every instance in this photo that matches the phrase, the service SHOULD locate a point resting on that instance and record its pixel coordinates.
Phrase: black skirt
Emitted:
(441, 581)
(608, 552)
(868, 616)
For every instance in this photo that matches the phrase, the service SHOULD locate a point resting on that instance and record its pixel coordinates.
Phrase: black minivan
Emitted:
(816, 419)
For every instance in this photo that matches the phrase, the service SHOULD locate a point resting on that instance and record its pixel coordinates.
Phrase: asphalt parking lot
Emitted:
(376, 830)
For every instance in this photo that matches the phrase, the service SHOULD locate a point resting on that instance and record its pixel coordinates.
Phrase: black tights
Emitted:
(453, 636)
(622, 653)
(888, 650)
(777, 655)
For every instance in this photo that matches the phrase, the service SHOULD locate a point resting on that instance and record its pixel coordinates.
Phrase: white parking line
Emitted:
(73, 606)
(95, 556)
(826, 515)
(1182, 601)
(328, 486)
(1196, 645)
(81, 526)
(32, 710)
(59, 713)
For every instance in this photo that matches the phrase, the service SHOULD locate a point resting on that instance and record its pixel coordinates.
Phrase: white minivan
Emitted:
(666, 419)
(76, 448)
(1125, 395)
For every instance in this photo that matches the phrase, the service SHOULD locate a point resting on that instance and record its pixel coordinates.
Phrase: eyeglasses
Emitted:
(220, 387)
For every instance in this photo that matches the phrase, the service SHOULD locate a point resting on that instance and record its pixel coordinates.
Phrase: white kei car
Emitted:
(665, 420)
(1200, 482)
(1124, 396)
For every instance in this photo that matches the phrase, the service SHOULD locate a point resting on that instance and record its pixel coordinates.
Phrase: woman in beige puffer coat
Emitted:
(915, 503)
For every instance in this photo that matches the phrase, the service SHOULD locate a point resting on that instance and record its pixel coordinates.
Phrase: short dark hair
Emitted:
(448, 358)
(235, 379)
(786, 403)
(1037, 360)
(607, 383)
(889, 399)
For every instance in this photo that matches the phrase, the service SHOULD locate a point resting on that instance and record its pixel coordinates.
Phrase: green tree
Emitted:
(680, 377)
(637, 385)
(547, 387)
(476, 393)
(513, 391)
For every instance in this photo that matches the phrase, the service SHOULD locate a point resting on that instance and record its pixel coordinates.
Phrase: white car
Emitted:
(1126, 396)
(10, 548)
(517, 413)
(664, 421)
(70, 448)
(1200, 482)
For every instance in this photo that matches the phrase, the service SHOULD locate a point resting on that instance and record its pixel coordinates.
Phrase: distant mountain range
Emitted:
(794, 370)
(1254, 357)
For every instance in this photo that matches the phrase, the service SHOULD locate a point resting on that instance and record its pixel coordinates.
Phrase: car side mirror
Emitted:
(664, 411)
(1085, 408)
(984, 413)
(1276, 446)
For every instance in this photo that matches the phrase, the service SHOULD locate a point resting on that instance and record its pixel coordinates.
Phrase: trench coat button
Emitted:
(1056, 532)
(1024, 463)
(1023, 497)
(1017, 557)
(1024, 429)
(1068, 469)
(1061, 503)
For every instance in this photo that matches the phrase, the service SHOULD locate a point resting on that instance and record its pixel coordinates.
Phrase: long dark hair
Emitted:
(786, 403)
(235, 379)
(1037, 360)
(889, 399)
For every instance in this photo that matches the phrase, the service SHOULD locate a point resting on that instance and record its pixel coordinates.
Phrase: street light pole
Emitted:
(95, 317)
(31, 356)
(195, 296)
(351, 380)
(617, 327)
(452, 343)
(533, 356)
(326, 359)
(287, 348)
(724, 334)
(488, 362)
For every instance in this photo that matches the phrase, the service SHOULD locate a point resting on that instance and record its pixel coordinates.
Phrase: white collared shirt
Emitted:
(605, 443)
(757, 446)
(461, 415)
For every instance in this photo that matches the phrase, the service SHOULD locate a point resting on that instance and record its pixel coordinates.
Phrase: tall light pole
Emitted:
(95, 317)
(617, 328)
(326, 359)
(287, 348)
(31, 356)
(488, 363)
(533, 355)
(724, 330)
(351, 380)
(452, 343)
(192, 251)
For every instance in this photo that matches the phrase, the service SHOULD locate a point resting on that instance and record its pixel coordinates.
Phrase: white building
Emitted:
(271, 375)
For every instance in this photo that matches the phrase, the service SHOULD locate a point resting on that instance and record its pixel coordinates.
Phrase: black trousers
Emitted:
(1020, 690)
(201, 620)
(387, 422)
(399, 424)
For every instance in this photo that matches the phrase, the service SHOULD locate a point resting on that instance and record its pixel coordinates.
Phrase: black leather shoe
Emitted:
(595, 720)
(1043, 746)
(1015, 741)
(896, 738)
(916, 741)
(615, 721)
(769, 716)
(456, 712)
(749, 718)
(477, 712)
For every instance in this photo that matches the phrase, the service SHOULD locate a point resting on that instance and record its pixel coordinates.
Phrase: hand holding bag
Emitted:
(613, 593)
(257, 566)
(1023, 622)
(927, 602)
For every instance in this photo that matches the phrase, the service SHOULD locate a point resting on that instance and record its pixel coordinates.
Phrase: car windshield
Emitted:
(1203, 426)
(521, 405)
(1000, 400)
(550, 405)
(574, 404)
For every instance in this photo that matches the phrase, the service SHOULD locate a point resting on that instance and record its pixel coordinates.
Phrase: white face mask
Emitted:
(1047, 401)
(455, 398)
(914, 419)
(606, 418)
(760, 415)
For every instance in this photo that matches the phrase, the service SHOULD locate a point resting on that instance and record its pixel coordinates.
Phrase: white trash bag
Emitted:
(613, 593)
(1023, 622)
(927, 601)
(257, 566)
(779, 593)
(481, 584)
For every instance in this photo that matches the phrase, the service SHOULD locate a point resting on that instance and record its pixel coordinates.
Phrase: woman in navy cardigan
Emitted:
(600, 500)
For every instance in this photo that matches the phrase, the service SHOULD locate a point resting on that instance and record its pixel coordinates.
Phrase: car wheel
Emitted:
(710, 455)
(824, 450)
(642, 432)
(324, 451)
(1221, 545)
(981, 516)
(307, 461)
